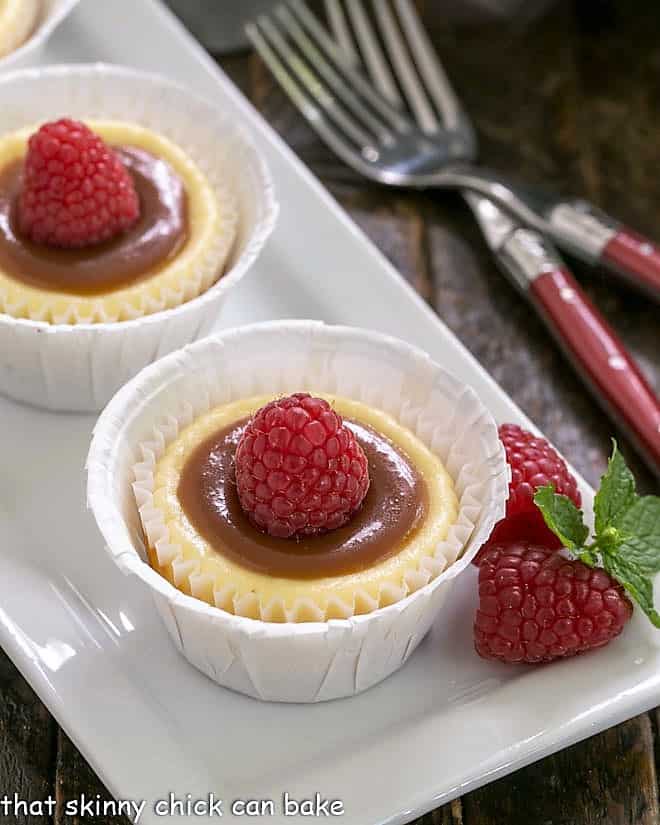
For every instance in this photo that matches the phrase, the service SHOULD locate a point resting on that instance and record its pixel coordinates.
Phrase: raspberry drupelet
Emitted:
(76, 190)
(299, 468)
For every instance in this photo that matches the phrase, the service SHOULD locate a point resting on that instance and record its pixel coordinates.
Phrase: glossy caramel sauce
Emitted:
(159, 234)
(395, 506)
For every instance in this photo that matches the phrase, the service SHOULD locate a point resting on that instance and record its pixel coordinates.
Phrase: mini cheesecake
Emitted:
(176, 250)
(216, 553)
(18, 20)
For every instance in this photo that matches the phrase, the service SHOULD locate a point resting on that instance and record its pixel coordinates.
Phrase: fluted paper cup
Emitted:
(79, 366)
(306, 661)
(49, 15)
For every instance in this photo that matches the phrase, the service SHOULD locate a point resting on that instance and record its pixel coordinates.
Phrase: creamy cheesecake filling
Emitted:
(178, 550)
(158, 236)
(212, 224)
(395, 506)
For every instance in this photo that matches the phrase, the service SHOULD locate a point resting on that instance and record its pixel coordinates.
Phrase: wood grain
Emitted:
(449, 814)
(74, 779)
(609, 779)
(27, 745)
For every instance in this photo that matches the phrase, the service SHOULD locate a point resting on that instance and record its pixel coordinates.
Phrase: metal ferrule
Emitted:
(582, 228)
(526, 255)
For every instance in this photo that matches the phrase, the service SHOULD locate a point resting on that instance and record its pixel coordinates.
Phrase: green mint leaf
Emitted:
(636, 583)
(640, 534)
(562, 517)
(615, 495)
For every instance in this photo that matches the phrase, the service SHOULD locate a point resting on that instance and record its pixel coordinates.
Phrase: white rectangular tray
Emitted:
(89, 640)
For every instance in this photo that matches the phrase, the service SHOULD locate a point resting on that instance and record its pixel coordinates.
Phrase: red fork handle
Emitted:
(634, 257)
(599, 355)
(594, 236)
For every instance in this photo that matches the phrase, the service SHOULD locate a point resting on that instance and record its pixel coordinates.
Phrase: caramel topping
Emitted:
(156, 238)
(395, 506)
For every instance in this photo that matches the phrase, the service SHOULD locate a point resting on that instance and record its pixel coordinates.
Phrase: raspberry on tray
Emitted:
(534, 463)
(535, 605)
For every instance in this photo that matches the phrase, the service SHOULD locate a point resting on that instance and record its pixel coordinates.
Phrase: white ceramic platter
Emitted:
(89, 640)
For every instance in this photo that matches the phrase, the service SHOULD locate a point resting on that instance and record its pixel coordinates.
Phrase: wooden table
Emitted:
(572, 101)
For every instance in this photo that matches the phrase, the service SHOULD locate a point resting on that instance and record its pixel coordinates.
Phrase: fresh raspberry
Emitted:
(299, 469)
(534, 463)
(76, 191)
(535, 605)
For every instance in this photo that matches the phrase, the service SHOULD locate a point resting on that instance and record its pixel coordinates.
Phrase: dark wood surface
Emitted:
(572, 100)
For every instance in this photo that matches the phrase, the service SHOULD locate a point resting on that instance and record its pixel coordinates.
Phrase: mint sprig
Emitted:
(616, 493)
(562, 517)
(627, 531)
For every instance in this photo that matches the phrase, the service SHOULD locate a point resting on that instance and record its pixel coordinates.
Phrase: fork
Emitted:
(370, 135)
(367, 125)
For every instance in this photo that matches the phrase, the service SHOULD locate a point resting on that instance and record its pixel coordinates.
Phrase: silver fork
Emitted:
(367, 125)
(369, 133)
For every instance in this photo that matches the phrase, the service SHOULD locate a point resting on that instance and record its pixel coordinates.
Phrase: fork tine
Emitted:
(314, 87)
(392, 116)
(429, 65)
(259, 36)
(338, 85)
(281, 74)
(404, 68)
(339, 28)
(372, 52)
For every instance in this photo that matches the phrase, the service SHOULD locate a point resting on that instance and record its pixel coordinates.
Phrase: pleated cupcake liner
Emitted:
(79, 366)
(306, 661)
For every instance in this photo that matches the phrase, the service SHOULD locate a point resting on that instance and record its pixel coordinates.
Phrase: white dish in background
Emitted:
(91, 644)
(53, 13)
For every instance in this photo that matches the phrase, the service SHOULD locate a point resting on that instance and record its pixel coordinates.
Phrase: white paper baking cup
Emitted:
(80, 366)
(312, 661)
(53, 13)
